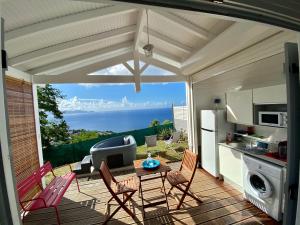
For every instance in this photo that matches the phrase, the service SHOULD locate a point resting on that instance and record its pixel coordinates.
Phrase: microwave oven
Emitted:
(274, 119)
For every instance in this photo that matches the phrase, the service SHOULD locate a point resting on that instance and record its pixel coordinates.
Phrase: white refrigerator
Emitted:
(213, 131)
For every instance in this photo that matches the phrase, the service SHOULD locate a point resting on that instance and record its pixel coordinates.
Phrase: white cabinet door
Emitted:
(272, 95)
(230, 162)
(240, 107)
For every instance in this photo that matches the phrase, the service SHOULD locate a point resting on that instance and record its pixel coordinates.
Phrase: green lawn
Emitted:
(172, 152)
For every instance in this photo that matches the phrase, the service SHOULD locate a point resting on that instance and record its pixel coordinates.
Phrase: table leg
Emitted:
(142, 197)
(163, 178)
(140, 187)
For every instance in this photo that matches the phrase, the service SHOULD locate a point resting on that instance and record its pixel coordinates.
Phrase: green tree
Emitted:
(154, 123)
(166, 122)
(55, 130)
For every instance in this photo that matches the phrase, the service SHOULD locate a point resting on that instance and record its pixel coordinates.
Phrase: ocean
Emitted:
(116, 121)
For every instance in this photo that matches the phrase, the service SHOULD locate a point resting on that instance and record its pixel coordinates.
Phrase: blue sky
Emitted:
(92, 97)
(101, 97)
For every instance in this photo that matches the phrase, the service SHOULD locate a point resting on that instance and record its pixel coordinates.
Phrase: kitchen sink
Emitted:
(237, 145)
(248, 148)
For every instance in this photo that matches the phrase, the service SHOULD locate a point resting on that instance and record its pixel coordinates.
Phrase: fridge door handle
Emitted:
(207, 130)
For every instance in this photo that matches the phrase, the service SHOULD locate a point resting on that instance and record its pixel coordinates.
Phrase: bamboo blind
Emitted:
(22, 127)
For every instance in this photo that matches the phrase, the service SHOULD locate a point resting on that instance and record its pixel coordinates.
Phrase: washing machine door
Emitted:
(259, 184)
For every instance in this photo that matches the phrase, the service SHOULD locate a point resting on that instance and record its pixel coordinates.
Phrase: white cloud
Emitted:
(74, 104)
(90, 85)
(119, 69)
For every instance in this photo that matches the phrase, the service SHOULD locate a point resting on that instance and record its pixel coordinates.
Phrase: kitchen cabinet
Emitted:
(231, 165)
(240, 107)
(270, 95)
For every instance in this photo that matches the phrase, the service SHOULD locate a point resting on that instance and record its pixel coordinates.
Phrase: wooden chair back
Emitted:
(189, 162)
(106, 176)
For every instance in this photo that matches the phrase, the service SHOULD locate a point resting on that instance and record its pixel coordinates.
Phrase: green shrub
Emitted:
(165, 122)
(154, 123)
(165, 133)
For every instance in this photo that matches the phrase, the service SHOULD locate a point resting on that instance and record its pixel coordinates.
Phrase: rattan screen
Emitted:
(22, 127)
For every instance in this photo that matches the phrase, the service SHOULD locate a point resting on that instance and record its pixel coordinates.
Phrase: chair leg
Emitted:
(192, 195)
(77, 184)
(121, 205)
(181, 200)
(57, 215)
(110, 200)
(111, 215)
(170, 190)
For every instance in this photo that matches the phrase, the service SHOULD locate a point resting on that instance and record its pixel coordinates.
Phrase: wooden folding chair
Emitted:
(180, 181)
(125, 187)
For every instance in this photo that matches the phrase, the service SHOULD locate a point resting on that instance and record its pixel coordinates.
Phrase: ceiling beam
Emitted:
(141, 20)
(186, 25)
(34, 55)
(169, 41)
(92, 69)
(64, 21)
(130, 69)
(59, 79)
(83, 59)
(100, 65)
(137, 73)
(136, 60)
(161, 64)
(233, 39)
(144, 67)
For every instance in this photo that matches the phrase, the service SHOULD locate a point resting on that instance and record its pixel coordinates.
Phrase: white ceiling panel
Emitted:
(159, 24)
(33, 25)
(74, 52)
(19, 13)
(198, 19)
(62, 34)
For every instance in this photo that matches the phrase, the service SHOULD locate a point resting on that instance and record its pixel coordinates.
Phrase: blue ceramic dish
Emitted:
(151, 164)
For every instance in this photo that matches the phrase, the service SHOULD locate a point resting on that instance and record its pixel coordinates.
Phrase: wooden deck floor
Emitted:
(222, 204)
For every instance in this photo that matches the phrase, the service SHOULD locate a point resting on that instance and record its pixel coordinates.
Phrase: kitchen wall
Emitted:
(266, 72)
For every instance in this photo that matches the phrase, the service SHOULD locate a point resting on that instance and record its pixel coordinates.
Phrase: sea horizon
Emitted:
(116, 120)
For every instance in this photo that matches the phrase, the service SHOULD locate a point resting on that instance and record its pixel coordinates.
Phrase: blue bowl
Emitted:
(151, 165)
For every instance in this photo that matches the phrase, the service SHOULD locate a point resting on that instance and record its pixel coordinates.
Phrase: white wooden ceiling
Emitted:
(59, 37)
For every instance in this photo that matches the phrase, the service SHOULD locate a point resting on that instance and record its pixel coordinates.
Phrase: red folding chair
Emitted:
(125, 187)
(179, 180)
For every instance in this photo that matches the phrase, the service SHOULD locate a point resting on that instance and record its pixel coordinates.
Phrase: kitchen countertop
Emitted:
(259, 156)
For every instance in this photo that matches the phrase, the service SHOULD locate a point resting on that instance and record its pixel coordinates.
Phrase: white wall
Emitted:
(180, 117)
(266, 72)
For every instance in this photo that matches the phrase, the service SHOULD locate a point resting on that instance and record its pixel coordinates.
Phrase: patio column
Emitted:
(6, 149)
(37, 124)
(191, 126)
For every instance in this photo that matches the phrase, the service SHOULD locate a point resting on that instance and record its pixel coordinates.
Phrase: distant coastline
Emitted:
(116, 121)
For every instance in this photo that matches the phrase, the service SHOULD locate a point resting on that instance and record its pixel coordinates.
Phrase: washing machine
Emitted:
(263, 185)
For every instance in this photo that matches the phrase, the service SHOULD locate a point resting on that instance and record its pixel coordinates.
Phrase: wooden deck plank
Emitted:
(222, 205)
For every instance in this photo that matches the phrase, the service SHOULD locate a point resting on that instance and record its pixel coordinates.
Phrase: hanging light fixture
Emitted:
(148, 48)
